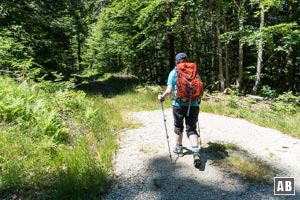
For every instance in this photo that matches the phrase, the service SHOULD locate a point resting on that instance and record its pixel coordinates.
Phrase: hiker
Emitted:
(181, 112)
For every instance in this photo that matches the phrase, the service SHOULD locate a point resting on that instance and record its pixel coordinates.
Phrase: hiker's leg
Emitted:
(178, 123)
(191, 127)
(178, 138)
(178, 147)
(194, 139)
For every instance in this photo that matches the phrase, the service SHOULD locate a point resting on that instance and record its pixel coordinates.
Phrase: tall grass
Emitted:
(58, 143)
(55, 143)
(258, 113)
(136, 101)
(282, 115)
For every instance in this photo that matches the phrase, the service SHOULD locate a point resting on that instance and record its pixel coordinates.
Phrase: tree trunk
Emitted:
(241, 51)
(171, 52)
(260, 51)
(219, 51)
(79, 52)
(290, 54)
(227, 78)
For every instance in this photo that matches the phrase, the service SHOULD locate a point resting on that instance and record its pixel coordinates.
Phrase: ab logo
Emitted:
(284, 186)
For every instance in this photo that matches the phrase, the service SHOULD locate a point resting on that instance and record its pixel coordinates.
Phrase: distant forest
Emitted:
(248, 45)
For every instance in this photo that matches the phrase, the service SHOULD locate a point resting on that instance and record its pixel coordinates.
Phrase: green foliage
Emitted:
(250, 101)
(267, 91)
(232, 101)
(281, 114)
(54, 142)
(83, 175)
(15, 55)
(133, 36)
(288, 32)
(286, 103)
(43, 36)
(19, 105)
(142, 38)
(138, 101)
(283, 107)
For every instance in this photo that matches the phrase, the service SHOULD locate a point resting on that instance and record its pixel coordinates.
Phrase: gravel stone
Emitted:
(143, 169)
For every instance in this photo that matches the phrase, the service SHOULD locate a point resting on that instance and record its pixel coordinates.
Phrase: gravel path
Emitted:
(143, 169)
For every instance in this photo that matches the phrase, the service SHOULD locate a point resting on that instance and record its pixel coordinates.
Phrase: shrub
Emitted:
(267, 91)
(286, 102)
(54, 142)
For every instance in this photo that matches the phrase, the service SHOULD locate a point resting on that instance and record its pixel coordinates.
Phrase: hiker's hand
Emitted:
(160, 97)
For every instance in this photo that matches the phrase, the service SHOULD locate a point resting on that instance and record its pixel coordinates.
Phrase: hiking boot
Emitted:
(197, 159)
(178, 150)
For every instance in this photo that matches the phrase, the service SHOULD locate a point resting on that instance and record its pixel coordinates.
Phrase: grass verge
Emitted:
(258, 113)
(253, 169)
(241, 162)
(55, 143)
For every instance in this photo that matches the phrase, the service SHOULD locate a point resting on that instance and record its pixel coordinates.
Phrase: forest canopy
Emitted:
(248, 45)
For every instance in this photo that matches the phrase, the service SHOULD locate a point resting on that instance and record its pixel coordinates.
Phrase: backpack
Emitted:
(189, 86)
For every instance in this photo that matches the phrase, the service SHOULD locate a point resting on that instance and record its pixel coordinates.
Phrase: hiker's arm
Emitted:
(166, 93)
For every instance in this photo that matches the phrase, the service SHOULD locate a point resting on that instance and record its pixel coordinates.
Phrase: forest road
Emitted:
(143, 169)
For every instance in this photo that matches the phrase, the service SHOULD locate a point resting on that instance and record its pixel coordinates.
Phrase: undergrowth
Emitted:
(58, 143)
(280, 114)
(55, 143)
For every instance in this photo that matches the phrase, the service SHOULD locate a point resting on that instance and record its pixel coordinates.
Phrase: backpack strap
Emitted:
(190, 102)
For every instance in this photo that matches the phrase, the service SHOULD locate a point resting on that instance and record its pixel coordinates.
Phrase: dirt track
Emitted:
(143, 169)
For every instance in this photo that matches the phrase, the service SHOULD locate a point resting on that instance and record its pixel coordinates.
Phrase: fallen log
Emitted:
(257, 98)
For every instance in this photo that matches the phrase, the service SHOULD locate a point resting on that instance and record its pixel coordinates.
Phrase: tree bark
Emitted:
(260, 51)
(79, 52)
(241, 51)
(290, 54)
(227, 77)
(219, 50)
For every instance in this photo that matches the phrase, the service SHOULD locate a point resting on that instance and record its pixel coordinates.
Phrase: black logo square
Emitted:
(284, 186)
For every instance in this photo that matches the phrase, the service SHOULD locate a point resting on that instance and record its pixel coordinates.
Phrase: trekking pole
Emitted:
(199, 125)
(164, 118)
(199, 133)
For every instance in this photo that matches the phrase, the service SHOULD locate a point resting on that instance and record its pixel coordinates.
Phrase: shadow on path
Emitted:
(169, 183)
(110, 87)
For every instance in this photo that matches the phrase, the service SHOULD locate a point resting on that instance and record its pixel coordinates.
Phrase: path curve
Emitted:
(143, 169)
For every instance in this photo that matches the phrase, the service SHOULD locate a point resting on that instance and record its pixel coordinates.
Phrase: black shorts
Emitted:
(180, 114)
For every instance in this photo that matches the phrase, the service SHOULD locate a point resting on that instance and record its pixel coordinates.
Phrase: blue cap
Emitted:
(180, 56)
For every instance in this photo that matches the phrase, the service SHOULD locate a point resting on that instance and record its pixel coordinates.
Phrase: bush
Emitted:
(232, 101)
(287, 102)
(54, 142)
(267, 91)
(30, 110)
